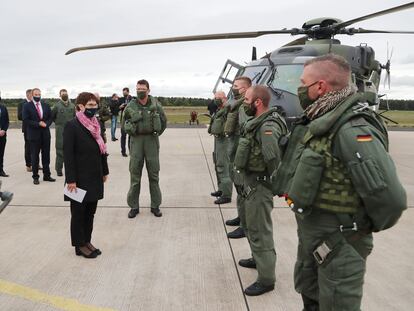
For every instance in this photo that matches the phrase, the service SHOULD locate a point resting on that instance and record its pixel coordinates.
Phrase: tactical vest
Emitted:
(217, 122)
(249, 151)
(64, 113)
(232, 126)
(145, 119)
(313, 176)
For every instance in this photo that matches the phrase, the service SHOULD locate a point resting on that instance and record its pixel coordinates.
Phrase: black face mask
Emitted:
(65, 97)
(90, 112)
(250, 109)
(36, 98)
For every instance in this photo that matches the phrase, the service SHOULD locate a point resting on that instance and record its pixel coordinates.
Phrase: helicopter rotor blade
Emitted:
(234, 35)
(369, 16)
(352, 31)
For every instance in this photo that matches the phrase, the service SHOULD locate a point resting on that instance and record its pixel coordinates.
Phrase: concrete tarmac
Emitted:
(182, 261)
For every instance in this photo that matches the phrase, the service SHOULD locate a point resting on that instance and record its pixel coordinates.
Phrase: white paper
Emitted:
(77, 195)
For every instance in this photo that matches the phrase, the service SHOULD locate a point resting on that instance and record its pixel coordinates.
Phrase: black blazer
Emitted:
(84, 163)
(31, 120)
(4, 118)
(20, 113)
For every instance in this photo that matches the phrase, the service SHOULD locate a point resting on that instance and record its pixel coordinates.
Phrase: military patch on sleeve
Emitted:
(364, 138)
(268, 132)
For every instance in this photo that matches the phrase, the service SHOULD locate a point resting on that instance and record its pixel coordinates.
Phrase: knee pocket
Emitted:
(260, 240)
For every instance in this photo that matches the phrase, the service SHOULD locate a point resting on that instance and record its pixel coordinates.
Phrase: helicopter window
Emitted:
(254, 73)
(287, 77)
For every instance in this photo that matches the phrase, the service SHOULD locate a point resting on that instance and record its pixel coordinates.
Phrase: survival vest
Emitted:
(144, 119)
(249, 155)
(313, 178)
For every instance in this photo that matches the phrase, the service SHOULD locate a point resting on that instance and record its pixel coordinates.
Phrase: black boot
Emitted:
(236, 234)
(217, 193)
(133, 212)
(247, 263)
(222, 200)
(233, 222)
(156, 211)
(257, 289)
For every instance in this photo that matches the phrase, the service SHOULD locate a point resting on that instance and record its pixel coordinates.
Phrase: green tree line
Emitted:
(165, 101)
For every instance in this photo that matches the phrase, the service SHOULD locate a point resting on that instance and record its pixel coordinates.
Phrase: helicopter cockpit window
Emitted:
(287, 77)
(255, 73)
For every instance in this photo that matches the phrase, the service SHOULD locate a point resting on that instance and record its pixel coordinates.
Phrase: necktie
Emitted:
(38, 111)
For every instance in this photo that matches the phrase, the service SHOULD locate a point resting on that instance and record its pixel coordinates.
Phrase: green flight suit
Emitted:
(220, 155)
(62, 112)
(257, 157)
(335, 237)
(144, 123)
(236, 118)
(103, 115)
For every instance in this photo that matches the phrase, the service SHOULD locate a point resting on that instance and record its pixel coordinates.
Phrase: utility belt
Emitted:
(348, 232)
(251, 181)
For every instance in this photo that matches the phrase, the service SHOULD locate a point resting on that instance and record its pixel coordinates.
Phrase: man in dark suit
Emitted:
(27, 158)
(38, 117)
(123, 102)
(4, 125)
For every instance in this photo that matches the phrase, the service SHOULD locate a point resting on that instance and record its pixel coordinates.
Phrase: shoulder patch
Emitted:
(364, 138)
(268, 132)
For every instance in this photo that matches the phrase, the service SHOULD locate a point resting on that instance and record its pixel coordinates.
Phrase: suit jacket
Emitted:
(84, 163)
(20, 113)
(31, 120)
(4, 118)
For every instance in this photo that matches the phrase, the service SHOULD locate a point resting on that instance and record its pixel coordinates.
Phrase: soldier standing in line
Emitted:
(341, 183)
(235, 118)
(144, 121)
(257, 158)
(103, 114)
(62, 112)
(220, 155)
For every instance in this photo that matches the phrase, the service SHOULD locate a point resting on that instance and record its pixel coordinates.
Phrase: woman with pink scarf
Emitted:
(86, 167)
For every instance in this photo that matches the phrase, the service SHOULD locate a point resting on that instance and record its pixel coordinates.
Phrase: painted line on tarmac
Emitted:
(34, 295)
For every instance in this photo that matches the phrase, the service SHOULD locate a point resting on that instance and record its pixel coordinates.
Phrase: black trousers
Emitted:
(36, 146)
(27, 157)
(81, 223)
(3, 141)
(123, 141)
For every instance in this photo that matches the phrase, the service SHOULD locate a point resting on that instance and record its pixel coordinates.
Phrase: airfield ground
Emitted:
(182, 261)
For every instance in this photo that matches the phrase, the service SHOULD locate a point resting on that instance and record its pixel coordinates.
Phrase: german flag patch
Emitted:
(268, 132)
(364, 138)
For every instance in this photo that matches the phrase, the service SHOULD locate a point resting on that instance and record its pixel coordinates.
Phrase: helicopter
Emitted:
(281, 69)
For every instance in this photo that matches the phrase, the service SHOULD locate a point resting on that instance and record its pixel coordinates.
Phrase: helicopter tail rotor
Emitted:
(387, 67)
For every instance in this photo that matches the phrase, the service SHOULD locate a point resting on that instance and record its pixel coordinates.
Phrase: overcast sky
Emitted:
(36, 34)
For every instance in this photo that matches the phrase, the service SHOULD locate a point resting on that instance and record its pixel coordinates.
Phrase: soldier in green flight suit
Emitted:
(341, 183)
(103, 114)
(235, 119)
(257, 157)
(62, 112)
(144, 120)
(220, 156)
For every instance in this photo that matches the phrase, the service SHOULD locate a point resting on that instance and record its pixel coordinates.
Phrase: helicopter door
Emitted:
(226, 78)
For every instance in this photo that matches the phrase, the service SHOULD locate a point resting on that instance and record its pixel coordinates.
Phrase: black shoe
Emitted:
(94, 249)
(222, 200)
(156, 212)
(78, 252)
(247, 263)
(217, 193)
(3, 174)
(114, 139)
(133, 212)
(257, 289)
(233, 222)
(124, 155)
(60, 174)
(236, 234)
(49, 179)
(36, 181)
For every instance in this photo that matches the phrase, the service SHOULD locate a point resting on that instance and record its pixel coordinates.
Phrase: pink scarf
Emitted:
(93, 126)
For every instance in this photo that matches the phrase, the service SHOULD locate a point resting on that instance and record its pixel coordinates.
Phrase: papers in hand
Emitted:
(77, 195)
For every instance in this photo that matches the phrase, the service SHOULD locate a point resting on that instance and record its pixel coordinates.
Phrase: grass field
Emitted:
(181, 115)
